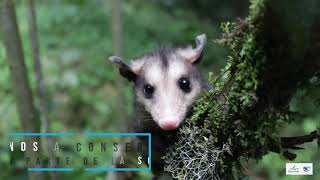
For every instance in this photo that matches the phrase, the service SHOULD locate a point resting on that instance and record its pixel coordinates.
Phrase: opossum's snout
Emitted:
(169, 125)
(170, 122)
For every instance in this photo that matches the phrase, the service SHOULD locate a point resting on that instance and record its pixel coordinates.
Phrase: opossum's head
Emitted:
(167, 81)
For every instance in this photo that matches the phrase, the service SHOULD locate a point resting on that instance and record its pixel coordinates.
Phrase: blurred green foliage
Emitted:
(75, 41)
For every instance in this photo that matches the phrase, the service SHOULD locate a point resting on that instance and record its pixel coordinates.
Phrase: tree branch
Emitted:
(292, 142)
(287, 143)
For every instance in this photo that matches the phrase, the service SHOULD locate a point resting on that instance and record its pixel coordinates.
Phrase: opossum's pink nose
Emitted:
(169, 125)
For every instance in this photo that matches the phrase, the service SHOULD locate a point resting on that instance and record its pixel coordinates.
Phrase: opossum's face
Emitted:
(167, 82)
(168, 90)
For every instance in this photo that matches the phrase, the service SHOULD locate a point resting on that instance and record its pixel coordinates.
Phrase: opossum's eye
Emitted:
(184, 84)
(148, 90)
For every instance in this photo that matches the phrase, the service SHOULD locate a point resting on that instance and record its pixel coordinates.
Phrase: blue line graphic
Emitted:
(50, 169)
(116, 169)
(116, 134)
(40, 134)
(93, 135)
(149, 148)
(122, 135)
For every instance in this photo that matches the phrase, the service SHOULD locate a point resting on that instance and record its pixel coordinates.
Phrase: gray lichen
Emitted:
(196, 156)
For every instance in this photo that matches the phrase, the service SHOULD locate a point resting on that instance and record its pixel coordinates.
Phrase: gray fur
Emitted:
(162, 69)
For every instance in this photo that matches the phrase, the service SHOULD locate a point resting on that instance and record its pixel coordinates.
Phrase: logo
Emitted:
(299, 169)
(294, 169)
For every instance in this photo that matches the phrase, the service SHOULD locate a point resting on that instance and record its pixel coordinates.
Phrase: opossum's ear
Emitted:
(124, 69)
(193, 55)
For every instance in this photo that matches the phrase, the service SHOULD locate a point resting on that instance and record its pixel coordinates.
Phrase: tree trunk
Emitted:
(19, 77)
(33, 33)
(272, 53)
(120, 112)
(117, 36)
(47, 141)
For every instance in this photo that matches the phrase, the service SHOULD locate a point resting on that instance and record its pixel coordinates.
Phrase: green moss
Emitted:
(231, 113)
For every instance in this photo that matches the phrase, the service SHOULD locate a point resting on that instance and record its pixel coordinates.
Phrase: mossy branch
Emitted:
(239, 118)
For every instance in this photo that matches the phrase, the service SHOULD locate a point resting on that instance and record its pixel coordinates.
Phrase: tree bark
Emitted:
(47, 141)
(117, 36)
(272, 53)
(33, 33)
(19, 77)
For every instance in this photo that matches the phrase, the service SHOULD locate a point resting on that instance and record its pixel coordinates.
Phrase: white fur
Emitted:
(137, 65)
(169, 103)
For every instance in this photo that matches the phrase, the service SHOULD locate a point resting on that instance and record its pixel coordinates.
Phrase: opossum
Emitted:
(166, 84)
